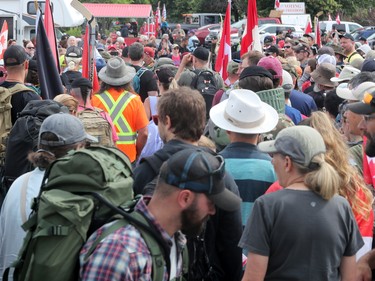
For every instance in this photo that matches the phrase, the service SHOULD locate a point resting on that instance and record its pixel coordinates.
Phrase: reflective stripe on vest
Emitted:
(115, 110)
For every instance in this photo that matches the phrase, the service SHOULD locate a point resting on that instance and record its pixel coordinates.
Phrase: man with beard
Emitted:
(366, 108)
(181, 122)
(189, 186)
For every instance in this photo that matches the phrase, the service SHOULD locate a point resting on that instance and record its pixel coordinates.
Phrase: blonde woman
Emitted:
(352, 186)
(305, 231)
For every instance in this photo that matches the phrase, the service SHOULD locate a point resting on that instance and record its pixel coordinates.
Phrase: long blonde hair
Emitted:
(337, 156)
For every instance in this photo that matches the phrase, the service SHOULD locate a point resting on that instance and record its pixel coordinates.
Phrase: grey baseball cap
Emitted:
(301, 143)
(200, 172)
(68, 129)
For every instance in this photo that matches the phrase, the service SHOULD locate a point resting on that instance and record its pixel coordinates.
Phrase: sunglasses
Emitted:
(287, 47)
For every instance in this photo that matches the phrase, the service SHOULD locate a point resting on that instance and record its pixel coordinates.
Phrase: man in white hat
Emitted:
(126, 109)
(244, 116)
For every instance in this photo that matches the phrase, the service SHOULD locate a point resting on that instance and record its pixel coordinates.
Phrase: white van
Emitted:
(344, 26)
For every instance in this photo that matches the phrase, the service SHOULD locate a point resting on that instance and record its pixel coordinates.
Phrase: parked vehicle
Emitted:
(371, 41)
(22, 25)
(344, 26)
(235, 27)
(274, 29)
(195, 21)
(365, 32)
(203, 31)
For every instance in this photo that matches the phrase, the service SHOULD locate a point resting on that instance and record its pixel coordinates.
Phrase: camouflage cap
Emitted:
(283, 122)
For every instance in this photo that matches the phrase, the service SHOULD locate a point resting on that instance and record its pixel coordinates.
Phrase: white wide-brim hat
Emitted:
(243, 112)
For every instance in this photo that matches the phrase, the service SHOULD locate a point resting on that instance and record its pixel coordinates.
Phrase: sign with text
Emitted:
(292, 7)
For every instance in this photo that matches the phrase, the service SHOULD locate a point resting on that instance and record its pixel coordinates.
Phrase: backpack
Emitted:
(23, 138)
(137, 79)
(153, 241)
(96, 125)
(80, 192)
(5, 113)
(205, 82)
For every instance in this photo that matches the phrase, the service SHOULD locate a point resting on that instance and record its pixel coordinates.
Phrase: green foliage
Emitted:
(74, 31)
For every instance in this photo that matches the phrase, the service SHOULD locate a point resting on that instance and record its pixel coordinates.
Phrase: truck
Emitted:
(195, 21)
(21, 17)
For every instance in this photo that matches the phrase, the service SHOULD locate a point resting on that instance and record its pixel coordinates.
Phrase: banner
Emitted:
(3, 39)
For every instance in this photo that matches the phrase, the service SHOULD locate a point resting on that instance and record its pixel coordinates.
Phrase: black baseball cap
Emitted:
(14, 55)
(272, 49)
(255, 71)
(201, 172)
(73, 52)
(347, 36)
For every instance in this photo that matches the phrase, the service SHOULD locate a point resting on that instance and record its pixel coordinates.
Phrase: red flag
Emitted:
(88, 62)
(308, 27)
(338, 19)
(157, 20)
(277, 4)
(86, 54)
(250, 38)
(318, 39)
(3, 39)
(225, 52)
(329, 17)
(50, 31)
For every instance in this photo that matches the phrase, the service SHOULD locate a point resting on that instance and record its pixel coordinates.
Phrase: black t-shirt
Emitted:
(147, 83)
(19, 100)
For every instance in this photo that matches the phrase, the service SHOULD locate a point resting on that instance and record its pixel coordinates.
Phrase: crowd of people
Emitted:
(273, 168)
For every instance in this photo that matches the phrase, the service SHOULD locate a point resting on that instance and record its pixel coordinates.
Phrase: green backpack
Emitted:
(79, 193)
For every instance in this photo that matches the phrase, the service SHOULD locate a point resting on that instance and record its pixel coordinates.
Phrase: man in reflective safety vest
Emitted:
(125, 108)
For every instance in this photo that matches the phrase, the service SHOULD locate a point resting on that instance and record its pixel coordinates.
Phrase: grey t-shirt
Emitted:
(304, 236)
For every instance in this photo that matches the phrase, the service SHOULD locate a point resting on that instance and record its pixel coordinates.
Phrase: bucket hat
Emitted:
(116, 72)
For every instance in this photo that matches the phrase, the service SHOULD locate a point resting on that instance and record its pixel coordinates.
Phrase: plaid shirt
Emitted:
(124, 255)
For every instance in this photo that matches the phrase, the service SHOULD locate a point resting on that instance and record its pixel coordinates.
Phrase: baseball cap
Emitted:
(272, 49)
(268, 39)
(14, 55)
(201, 53)
(255, 70)
(311, 35)
(301, 48)
(149, 51)
(367, 105)
(232, 67)
(67, 128)
(301, 143)
(347, 36)
(272, 63)
(201, 172)
(73, 52)
(368, 65)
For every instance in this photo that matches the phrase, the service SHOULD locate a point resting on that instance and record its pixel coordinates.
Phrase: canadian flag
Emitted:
(224, 55)
(338, 19)
(318, 38)
(277, 4)
(250, 38)
(3, 39)
(308, 28)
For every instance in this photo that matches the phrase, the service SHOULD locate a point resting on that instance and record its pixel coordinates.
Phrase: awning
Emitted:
(119, 10)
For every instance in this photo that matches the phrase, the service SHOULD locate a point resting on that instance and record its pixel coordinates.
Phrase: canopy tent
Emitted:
(119, 10)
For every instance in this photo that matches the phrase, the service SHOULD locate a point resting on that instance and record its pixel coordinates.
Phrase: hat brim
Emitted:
(361, 108)
(339, 80)
(115, 81)
(226, 200)
(267, 146)
(345, 93)
(268, 124)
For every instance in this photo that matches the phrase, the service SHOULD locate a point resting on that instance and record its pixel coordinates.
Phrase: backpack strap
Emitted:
(141, 71)
(19, 87)
(156, 252)
(354, 53)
